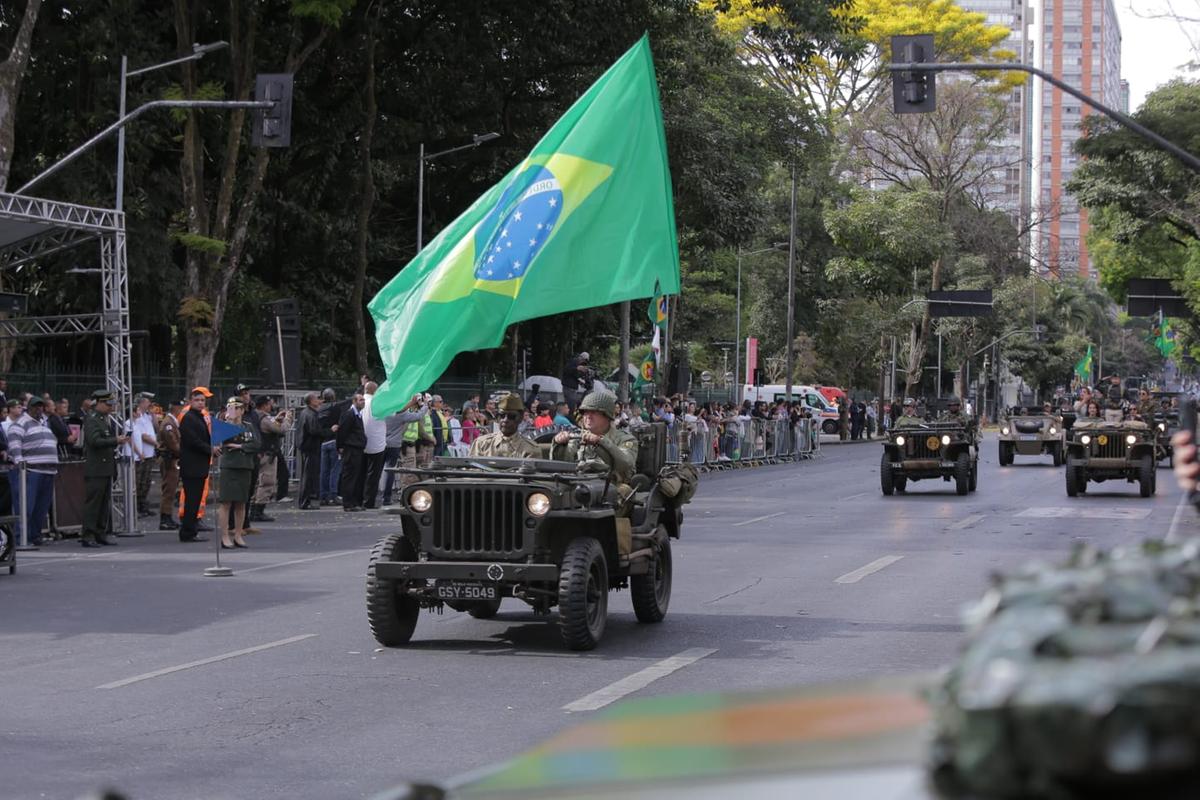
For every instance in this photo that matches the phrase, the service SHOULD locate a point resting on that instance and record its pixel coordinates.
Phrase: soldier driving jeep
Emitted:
(601, 447)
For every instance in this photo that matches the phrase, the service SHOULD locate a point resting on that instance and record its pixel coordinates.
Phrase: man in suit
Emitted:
(195, 457)
(351, 440)
(311, 435)
(100, 441)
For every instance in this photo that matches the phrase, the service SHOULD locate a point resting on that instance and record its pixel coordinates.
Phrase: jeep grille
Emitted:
(478, 521)
(915, 447)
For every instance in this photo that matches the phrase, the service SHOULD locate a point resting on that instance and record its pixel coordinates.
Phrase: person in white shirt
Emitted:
(373, 454)
(144, 447)
(13, 413)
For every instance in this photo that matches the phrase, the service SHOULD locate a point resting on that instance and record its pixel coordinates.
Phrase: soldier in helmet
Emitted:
(506, 443)
(602, 447)
(909, 416)
(1116, 406)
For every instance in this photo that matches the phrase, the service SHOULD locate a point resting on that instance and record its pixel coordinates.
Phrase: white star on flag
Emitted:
(491, 259)
(553, 202)
(532, 242)
(516, 264)
(504, 233)
(540, 226)
(517, 216)
(508, 244)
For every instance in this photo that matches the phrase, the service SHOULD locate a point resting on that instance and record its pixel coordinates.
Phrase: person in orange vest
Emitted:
(195, 458)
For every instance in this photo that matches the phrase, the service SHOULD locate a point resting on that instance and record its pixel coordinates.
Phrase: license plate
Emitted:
(1028, 437)
(464, 590)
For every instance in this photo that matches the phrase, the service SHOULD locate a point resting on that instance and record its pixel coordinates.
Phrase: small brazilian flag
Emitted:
(1165, 341)
(1084, 368)
(586, 219)
(657, 312)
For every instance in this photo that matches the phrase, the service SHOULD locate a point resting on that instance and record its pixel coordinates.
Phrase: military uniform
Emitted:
(905, 421)
(615, 453)
(1146, 410)
(99, 469)
(497, 445)
(168, 443)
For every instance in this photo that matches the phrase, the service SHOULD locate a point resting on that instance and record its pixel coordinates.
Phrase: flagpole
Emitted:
(623, 380)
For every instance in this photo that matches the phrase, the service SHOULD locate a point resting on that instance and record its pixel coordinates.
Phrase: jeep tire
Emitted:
(582, 594)
(1074, 479)
(1056, 450)
(962, 473)
(391, 614)
(651, 593)
(1006, 454)
(887, 481)
(1146, 476)
(484, 609)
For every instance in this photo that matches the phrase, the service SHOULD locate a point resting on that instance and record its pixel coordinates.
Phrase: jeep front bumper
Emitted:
(466, 571)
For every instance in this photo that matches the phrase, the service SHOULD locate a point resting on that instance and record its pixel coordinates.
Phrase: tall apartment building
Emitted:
(1009, 185)
(1079, 42)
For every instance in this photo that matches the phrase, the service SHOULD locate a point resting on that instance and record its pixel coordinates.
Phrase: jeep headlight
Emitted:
(1004, 430)
(945, 438)
(1053, 430)
(538, 504)
(1085, 439)
(1130, 439)
(900, 440)
(420, 501)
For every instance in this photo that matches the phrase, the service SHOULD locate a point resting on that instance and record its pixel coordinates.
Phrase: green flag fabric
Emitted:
(1165, 341)
(586, 219)
(1084, 368)
(645, 371)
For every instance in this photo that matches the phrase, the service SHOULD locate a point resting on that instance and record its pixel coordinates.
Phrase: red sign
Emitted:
(751, 358)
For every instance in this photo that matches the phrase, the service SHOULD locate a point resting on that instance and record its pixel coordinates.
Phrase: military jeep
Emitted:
(938, 449)
(1100, 451)
(474, 531)
(1023, 433)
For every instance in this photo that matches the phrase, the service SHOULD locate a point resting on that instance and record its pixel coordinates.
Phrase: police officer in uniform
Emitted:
(506, 443)
(100, 441)
(602, 447)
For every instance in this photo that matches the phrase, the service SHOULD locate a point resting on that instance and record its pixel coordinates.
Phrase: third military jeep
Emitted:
(1029, 432)
(1100, 451)
(474, 531)
(939, 449)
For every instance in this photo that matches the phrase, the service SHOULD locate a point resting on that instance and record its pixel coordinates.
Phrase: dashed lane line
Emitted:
(757, 519)
(966, 522)
(867, 569)
(204, 661)
(638, 680)
(297, 561)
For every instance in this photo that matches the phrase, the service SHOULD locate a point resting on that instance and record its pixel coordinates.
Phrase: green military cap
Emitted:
(511, 404)
(600, 400)
(102, 396)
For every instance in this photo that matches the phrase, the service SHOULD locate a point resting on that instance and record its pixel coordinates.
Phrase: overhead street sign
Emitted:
(1148, 296)
(960, 303)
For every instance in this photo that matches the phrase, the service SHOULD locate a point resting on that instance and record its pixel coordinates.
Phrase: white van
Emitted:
(808, 395)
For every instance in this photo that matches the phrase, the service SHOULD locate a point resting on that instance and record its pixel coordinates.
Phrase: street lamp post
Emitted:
(476, 140)
(737, 335)
(198, 52)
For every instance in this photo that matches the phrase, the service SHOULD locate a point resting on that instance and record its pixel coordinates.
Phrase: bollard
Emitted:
(22, 509)
(216, 570)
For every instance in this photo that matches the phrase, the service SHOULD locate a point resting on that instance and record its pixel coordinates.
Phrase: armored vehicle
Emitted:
(1100, 451)
(938, 449)
(474, 531)
(1030, 432)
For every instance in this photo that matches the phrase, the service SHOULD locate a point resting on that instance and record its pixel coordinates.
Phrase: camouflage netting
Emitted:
(1081, 681)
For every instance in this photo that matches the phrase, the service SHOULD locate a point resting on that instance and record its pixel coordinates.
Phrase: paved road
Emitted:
(128, 668)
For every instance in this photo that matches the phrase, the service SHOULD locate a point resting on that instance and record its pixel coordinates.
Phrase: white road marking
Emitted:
(223, 657)
(1183, 501)
(638, 680)
(966, 522)
(867, 569)
(758, 519)
(296, 561)
(854, 496)
(1084, 512)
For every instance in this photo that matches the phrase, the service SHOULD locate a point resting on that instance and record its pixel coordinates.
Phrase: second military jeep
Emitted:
(939, 449)
(1029, 432)
(1100, 451)
(475, 531)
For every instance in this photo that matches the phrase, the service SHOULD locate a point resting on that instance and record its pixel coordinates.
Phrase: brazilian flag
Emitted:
(1084, 368)
(1165, 341)
(586, 219)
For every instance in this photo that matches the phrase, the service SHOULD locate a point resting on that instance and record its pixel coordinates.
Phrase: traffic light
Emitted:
(913, 92)
(273, 126)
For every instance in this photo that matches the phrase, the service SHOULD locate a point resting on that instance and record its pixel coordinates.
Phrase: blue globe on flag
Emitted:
(519, 225)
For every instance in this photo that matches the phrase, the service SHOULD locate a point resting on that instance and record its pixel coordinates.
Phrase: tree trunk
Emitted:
(201, 352)
(12, 73)
(366, 201)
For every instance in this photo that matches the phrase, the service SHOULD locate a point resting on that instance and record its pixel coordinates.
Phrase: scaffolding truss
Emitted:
(33, 228)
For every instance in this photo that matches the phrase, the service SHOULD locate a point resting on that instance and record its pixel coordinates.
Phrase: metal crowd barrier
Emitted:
(734, 443)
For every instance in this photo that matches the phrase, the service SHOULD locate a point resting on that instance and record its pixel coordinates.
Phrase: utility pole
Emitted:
(791, 288)
(938, 395)
(623, 380)
(882, 384)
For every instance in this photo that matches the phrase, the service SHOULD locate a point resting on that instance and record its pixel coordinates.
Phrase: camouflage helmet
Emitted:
(511, 404)
(602, 401)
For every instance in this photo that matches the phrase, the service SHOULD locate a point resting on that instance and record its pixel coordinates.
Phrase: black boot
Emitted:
(262, 513)
(165, 523)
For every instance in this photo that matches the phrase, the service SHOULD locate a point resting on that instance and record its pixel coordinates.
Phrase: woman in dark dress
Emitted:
(237, 472)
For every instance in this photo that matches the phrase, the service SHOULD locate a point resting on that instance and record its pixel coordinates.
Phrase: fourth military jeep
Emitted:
(943, 449)
(475, 531)
(1025, 432)
(1100, 451)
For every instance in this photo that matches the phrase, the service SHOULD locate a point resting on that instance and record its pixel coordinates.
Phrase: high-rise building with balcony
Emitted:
(1078, 42)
